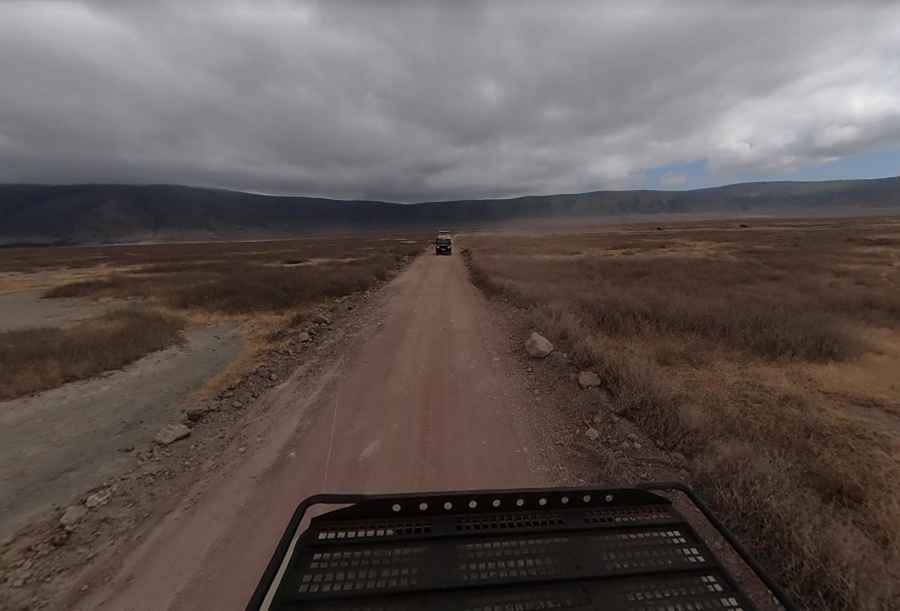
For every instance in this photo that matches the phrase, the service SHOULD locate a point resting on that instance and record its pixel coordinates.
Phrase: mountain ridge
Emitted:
(89, 213)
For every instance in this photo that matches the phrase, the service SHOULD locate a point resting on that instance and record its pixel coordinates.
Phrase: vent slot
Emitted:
(628, 515)
(506, 521)
(369, 531)
(364, 570)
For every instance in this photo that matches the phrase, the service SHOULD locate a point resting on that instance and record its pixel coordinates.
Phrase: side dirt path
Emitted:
(418, 392)
(58, 443)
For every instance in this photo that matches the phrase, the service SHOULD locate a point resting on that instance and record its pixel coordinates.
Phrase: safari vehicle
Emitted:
(443, 244)
(557, 548)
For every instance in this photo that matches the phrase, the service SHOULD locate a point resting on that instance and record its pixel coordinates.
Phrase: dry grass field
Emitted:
(767, 352)
(160, 285)
(35, 359)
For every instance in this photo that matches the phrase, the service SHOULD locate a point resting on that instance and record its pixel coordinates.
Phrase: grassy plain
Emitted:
(768, 352)
(274, 283)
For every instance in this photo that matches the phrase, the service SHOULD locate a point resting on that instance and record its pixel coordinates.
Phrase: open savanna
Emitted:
(767, 352)
(155, 288)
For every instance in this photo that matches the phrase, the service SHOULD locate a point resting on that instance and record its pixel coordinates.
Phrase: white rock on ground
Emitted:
(171, 433)
(72, 515)
(588, 379)
(592, 434)
(538, 346)
(98, 499)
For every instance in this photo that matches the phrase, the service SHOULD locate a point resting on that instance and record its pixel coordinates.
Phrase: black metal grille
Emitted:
(510, 521)
(626, 550)
(391, 529)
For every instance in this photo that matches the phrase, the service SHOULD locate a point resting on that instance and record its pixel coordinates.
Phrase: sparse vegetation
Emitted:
(285, 278)
(240, 278)
(730, 345)
(41, 358)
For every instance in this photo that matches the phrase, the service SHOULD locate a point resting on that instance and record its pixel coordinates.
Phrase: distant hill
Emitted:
(115, 213)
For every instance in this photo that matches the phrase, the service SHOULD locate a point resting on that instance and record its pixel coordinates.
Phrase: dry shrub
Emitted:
(699, 351)
(41, 358)
(234, 279)
(491, 285)
(266, 289)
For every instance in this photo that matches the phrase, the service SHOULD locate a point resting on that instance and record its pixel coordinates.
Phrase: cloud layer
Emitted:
(435, 100)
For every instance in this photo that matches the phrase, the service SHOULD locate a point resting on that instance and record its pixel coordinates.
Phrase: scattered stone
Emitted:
(20, 578)
(617, 408)
(592, 434)
(322, 319)
(560, 358)
(633, 437)
(60, 538)
(679, 457)
(98, 499)
(588, 379)
(237, 405)
(636, 445)
(273, 377)
(152, 470)
(303, 336)
(127, 449)
(538, 346)
(171, 433)
(242, 449)
(195, 413)
(72, 515)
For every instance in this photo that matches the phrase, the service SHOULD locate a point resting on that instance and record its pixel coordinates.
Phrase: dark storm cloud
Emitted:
(423, 100)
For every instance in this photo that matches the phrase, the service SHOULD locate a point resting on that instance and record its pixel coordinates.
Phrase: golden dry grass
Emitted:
(40, 358)
(239, 277)
(737, 346)
(266, 285)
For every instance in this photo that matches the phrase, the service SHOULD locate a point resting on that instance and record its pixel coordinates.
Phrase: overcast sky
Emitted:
(407, 100)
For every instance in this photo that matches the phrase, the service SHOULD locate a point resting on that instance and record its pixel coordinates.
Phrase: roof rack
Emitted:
(516, 550)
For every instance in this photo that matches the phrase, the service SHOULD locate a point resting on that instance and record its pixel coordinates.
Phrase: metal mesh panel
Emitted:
(557, 552)
(362, 570)
(507, 521)
(627, 515)
(390, 529)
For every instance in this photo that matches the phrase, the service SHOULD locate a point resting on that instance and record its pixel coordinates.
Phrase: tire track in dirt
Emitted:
(426, 399)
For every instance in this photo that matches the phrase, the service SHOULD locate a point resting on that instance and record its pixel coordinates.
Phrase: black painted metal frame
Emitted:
(453, 518)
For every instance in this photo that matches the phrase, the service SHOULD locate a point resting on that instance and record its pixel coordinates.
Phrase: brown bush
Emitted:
(40, 358)
(703, 339)
(233, 279)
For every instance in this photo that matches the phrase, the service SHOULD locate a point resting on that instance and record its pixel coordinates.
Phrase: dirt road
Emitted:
(426, 397)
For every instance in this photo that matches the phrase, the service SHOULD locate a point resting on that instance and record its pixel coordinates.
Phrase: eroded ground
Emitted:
(58, 443)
